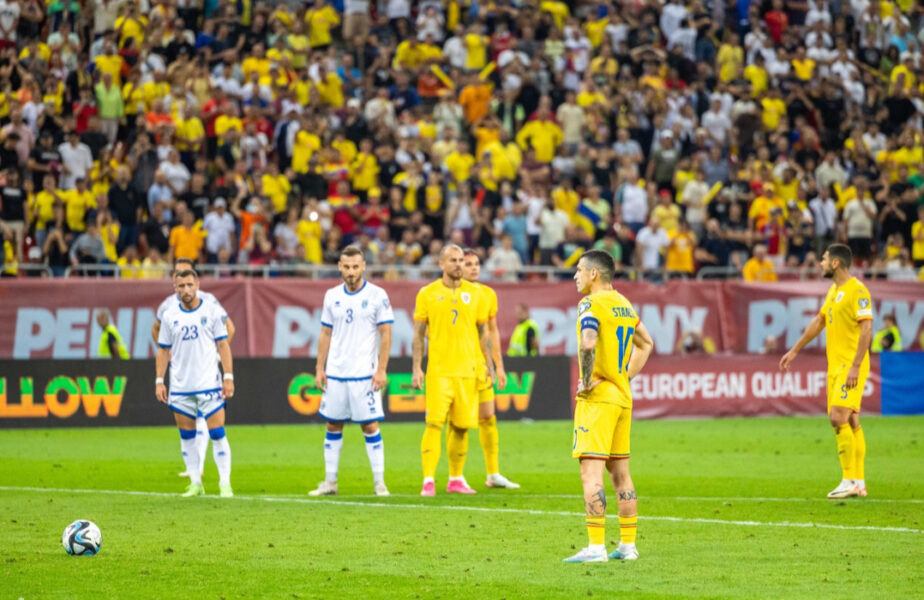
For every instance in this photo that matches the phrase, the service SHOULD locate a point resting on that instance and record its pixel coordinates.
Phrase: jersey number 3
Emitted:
(624, 337)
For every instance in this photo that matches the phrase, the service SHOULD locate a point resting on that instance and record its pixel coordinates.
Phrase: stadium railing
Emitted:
(414, 273)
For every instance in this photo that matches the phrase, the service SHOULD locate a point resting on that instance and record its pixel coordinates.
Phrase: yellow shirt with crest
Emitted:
(844, 308)
(452, 316)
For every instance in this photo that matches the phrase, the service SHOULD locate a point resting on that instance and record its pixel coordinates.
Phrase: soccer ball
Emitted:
(82, 538)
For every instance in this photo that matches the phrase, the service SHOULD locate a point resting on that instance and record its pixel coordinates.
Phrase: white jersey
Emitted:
(190, 335)
(354, 320)
(172, 299)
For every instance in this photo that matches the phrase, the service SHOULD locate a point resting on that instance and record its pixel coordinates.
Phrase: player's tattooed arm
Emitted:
(587, 354)
(626, 495)
(484, 338)
(595, 502)
(417, 350)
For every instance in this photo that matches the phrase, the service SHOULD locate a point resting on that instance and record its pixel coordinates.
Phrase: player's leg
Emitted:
(375, 450)
(594, 424)
(618, 466)
(595, 511)
(366, 410)
(333, 444)
(335, 409)
(841, 403)
(859, 443)
(202, 441)
(221, 449)
(463, 415)
(186, 423)
(438, 400)
(490, 439)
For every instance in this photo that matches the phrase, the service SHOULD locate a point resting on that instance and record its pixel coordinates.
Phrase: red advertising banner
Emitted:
(281, 317)
(756, 311)
(737, 386)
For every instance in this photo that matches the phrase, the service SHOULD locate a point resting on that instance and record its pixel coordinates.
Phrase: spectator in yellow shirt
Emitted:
(77, 202)
(477, 45)
(321, 19)
(186, 240)
(276, 187)
(666, 212)
(679, 257)
(757, 75)
(758, 267)
(917, 239)
(364, 168)
(541, 134)
(772, 109)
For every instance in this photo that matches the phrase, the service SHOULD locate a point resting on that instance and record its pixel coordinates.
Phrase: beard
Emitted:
(828, 273)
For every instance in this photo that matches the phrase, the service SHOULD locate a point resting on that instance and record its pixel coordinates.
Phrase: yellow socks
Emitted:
(859, 444)
(457, 448)
(490, 443)
(628, 528)
(596, 530)
(846, 450)
(430, 449)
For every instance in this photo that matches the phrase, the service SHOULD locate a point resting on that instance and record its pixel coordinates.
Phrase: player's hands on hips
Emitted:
(852, 376)
(583, 391)
(379, 379)
(227, 388)
(320, 380)
(160, 392)
(501, 379)
(787, 360)
(417, 380)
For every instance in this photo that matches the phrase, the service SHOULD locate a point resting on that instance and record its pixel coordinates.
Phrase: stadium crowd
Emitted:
(676, 135)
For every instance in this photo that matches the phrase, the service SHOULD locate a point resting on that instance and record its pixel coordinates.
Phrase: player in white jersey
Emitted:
(352, 359)
(202, 431)
(191, 333)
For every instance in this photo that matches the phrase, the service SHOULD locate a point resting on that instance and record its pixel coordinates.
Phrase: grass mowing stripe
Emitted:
(478, 509)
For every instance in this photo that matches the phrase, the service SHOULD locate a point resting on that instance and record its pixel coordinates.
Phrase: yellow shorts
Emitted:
(485, 390)
(839, 395)
(452, 397)
(601, 429)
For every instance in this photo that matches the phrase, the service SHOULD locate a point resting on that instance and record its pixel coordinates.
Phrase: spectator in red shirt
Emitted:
(373, 215)
(777, 21)
(84, 108)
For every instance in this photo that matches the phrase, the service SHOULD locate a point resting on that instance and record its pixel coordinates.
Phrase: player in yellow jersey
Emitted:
(847, 313)
(487, 420)
(452, 313)
(613, 346)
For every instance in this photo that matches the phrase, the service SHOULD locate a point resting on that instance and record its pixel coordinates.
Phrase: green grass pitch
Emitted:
(728, 508)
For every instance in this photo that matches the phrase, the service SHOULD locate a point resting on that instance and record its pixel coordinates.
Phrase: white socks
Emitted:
(375, 448)
(191, 455)
(221, 452)
(333, 443)
(202, 441)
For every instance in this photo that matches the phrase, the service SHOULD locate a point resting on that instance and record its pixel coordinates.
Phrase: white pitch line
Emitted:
(476, 509)
(734, 498)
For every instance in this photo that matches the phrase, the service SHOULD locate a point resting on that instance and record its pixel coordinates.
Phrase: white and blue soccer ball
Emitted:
(82, 538)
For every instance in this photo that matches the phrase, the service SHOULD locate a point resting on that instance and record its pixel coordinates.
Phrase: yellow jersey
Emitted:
(844, 308)
(452, 316)
(612, 316)
(489, 296)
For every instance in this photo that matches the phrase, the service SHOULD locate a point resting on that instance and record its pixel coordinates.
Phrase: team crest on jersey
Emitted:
(466, 297)
(583, 307)
(864, 302)
(365, 303)
(203, 320)
(839, 297)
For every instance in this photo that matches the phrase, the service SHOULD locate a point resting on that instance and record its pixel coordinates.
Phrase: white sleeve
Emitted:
(162, 309)
(219, 329)
(384, 313)
(327, 317)
(165, 337)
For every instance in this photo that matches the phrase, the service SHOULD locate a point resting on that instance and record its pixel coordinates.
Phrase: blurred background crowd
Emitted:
(690, 137)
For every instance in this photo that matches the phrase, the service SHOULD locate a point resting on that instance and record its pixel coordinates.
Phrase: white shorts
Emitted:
(203, 404)
(351, 400)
